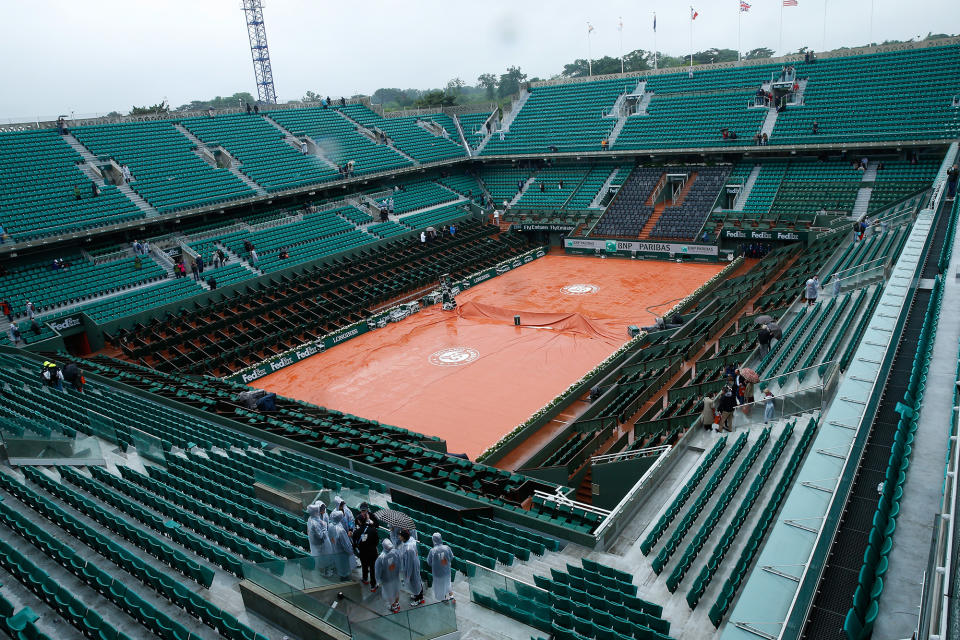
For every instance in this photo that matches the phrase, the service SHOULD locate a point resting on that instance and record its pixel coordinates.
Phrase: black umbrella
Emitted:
(764, 319)
(775, 330)
(393, 518)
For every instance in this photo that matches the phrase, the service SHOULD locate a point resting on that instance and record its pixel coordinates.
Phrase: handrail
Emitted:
(629, 455)
(564, 500)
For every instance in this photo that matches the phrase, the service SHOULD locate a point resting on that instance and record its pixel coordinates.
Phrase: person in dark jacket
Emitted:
(726, 404)
(73, 375)
(366, 541)
(764, 339)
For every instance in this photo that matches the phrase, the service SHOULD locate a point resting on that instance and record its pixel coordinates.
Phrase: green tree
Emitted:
(435, 98)
(455, 86)
(155, 109)
(509, 84)
(758, 53)
(489, 82)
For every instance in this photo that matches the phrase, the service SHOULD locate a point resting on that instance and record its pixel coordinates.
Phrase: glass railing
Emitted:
(45, 442)
(305, 491)
(307, 584)
(148, 446)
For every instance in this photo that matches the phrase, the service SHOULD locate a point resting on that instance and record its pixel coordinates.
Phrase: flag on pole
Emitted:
(620, 27)
(654, 21)
(694, 13)
(744, 6)
(790, 3)
(589, 28)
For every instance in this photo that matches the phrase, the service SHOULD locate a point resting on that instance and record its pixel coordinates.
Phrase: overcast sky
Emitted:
(94, 57)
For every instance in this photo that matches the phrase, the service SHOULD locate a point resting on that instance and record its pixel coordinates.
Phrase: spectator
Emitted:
(766, 139)
(14, 332)
(423, 237)
(560, 184)
(76, 192)
(366, 538)
(496, 217)
(340, 505)
(6, 309)
(410, 568)
(73, 376)
(728, 402)
(453, 230)
(707, 412)
(953, 173)
(603, 144)
(51, 375)
(61, 126)
(816, 127)
(812, 290)
(94, 189)
(200, 264)
(386, 570)
(183, 270)
(137, 263)
(248, 108)
(256, 108)
(195, 270)
(31, 310)
(210, 112)
(212, 283)
(440, 559)
(284, 254)
(343, 101)
(341, 546)
(254, 258)
(303, 147)
(724, 133)
(763, 338)
(318, 538)
(127, 176)
(768, 406)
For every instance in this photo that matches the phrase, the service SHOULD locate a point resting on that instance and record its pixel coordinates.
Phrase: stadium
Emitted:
(656, 354)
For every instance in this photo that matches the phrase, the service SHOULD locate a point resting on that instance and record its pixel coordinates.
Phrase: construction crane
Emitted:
(253, 11)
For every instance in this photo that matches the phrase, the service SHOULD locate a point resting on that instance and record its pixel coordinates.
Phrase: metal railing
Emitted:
(630, 455)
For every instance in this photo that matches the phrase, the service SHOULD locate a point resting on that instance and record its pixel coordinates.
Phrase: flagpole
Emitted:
(739, 17)
(589, 52)
(654, 40)
(871, 23)
(691, 37)
(621, 44)
(780, 43)
(824, 47)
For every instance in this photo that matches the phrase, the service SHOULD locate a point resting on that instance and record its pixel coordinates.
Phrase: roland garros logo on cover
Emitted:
(453, 356)
(580, 289)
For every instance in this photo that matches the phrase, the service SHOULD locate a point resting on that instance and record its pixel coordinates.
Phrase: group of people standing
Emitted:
(336, 538)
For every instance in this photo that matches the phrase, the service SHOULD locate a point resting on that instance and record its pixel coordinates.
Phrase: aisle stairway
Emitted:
(744, 194)
(660, 207)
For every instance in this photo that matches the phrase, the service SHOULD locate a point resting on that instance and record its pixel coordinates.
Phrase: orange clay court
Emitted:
(470, 376)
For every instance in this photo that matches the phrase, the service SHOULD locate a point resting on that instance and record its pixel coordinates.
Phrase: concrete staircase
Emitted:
(615, 133)
(234, 168)
(523, 190)
(862, 204)
(463, 138)
(514, 110)
(90, 161)
(595, 204)
(659, 208)
(389, 144)
(769, 121)
(232, 257)
(747, 188)
(870, 174)
(138, 200)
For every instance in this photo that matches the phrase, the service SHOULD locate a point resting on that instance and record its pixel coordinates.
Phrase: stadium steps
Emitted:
(515, 109)
(242, 177)
(294, 142)
(124, 188)
(744, 194)
(595, 203)
(235, 258)
(862, 203)
(389, 144)
(660, 207)
(523, 190)
(769, 121)
(463, 138)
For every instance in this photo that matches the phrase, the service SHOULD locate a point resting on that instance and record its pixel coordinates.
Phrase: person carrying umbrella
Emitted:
(763, 338)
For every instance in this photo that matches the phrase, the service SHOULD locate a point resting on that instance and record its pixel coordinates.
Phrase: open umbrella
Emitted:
(393, 518)
(764, 319)
(749, 375)
(775, 330)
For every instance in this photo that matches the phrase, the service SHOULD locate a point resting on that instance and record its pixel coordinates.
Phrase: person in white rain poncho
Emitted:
(410, 568)
(440, 560)
(387, 571)
(342, 547)
(317, 535)
(340, 505)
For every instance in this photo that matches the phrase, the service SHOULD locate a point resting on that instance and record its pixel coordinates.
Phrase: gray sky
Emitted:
(95, 57)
